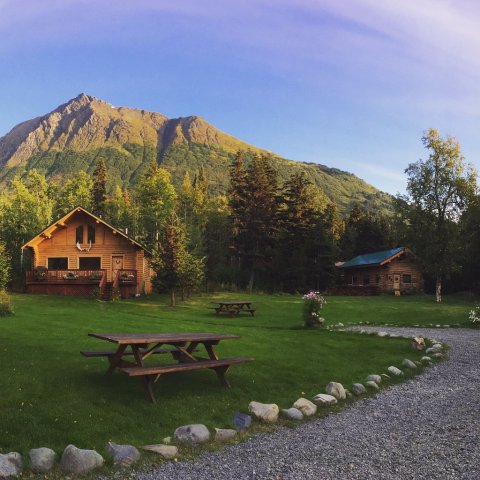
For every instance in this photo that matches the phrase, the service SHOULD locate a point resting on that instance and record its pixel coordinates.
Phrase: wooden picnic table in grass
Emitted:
(181, 346)
(232, 308)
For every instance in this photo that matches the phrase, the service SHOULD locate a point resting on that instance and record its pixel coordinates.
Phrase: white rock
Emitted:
(384, 375)
(324, 400)
(224, 434)
(42, 459)
(358, 389)
(374, 378)
(166, 451)
(372, 384)
(426, 359)
(306, 407)
(437, 355)
(192, 434)
(408, 364)
(167, 440)
(124, 455)
(337, 390)
(10, 465)
(395, 371)
(382, 334)
(266, 412)
(292, 413)
(79, 461)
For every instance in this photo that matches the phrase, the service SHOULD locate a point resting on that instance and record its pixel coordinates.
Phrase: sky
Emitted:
(351, 84)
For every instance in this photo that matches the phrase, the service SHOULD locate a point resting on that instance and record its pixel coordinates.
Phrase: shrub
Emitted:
(6, 307)
(313, 302)
(474, 316)
(4, 267)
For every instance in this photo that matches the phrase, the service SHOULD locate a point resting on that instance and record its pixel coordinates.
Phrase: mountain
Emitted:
(77, 133)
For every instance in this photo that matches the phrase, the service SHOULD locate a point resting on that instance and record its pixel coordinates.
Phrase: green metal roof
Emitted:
(374, 258)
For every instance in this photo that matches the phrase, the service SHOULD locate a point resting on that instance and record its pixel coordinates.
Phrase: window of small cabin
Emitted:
(89, 263)
(366, 280)
(91, 234)
(406, 278)
(57, 263)
(79, 234)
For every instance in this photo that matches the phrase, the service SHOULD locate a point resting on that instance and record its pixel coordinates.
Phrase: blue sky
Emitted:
(351, 84)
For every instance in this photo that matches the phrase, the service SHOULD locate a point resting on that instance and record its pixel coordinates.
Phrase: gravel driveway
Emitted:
(425, 428)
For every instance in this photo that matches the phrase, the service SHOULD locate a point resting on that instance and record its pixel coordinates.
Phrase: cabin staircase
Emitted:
(107, 291)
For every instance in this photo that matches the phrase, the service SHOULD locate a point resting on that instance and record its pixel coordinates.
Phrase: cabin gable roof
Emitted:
(48, 232)
(374, 259)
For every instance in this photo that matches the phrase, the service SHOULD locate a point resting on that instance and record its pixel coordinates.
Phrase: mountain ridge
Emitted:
(76, 133)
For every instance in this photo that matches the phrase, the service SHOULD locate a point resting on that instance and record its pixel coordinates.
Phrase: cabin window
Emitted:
(79, 234)
(406, 278)
(366, 280)
(91, 234)
(58, 263)
(89, 263)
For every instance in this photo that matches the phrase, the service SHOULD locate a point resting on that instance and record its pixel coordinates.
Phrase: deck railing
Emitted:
(65, 276)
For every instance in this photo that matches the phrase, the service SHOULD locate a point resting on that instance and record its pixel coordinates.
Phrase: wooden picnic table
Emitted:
(232, 308)
(181, 346)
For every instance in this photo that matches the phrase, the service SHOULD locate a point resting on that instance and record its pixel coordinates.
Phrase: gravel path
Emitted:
(425, 428)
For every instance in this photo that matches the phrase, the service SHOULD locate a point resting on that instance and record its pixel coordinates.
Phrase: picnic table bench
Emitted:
(232, 308)
(183, 347)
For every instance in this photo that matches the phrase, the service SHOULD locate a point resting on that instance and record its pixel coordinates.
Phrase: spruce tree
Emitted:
(99, 191)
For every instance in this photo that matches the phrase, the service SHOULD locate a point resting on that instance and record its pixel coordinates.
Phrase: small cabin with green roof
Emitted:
(388, 271)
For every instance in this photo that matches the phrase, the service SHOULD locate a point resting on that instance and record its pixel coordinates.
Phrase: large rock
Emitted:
(42, 459)
(241, 421)
(337, 390)
(373, 385)
(418, 344)
(266, 412)
(395, 371)
(124, 455)
(408, 364)
(358, 389)
(435, 348)
(224, 434)
(166, 451)
(10, 465)
(78, 461)
(307, 407)
(192, 434)
(426, 359)
(292, 413)
(324, 400)
(374, 378)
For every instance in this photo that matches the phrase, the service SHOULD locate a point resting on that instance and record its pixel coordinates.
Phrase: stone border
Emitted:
(78, 461)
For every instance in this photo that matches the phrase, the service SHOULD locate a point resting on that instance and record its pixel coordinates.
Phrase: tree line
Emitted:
(263, 234)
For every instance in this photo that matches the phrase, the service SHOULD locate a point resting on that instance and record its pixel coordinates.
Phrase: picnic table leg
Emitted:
(221, 371)
(115, 359)
(147, 381)
(211, 351)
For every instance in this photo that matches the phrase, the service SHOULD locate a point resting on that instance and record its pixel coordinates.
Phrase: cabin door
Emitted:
(396, 281)
(117, 265)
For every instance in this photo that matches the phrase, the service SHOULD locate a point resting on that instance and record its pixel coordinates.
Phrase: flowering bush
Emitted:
(474, 316)
(313, 302)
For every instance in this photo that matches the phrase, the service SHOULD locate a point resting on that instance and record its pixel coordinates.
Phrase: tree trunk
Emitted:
(172, 298)
(183, 294)
(438, 290)
(250, 282)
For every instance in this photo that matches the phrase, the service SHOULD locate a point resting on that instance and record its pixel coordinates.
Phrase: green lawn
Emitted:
(52, 396)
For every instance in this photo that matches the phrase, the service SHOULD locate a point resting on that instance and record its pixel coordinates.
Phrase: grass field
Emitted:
(52, 396)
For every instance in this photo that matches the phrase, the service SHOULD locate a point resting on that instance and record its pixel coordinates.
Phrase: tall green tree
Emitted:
(169, 260)
(75, 192)
(254, 205)
(155, 198)
(439, 189)
(5, 267)
(99, 190)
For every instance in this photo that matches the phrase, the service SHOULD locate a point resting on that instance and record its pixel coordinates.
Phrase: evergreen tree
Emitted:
(99, 191)
(170, 253)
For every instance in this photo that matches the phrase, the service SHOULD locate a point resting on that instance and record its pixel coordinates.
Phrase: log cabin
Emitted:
(388, 271)
(81, 254)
